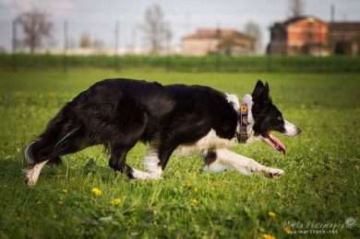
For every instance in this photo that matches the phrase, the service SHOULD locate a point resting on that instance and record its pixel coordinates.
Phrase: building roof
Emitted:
(345, 26)
(295, 19)
(217, 33)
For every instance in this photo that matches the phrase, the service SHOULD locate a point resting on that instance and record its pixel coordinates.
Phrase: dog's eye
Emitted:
(279, 118)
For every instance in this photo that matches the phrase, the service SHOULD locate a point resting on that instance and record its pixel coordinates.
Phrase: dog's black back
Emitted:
(119, 112)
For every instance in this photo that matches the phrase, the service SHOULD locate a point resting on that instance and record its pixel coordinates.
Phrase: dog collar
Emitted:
(243, 135)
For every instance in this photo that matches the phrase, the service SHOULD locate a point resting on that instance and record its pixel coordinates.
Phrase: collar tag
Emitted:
(243, 120)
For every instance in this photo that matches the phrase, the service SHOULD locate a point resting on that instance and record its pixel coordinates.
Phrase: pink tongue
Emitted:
(277, 143)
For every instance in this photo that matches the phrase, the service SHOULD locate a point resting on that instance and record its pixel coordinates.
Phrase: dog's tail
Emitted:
(50, 144)
(31, 154)
(29, 158)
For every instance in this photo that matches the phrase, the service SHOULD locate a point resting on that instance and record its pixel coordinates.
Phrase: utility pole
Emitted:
(66, 46)
(133, 50)
(14, 43)
(332, 13)
(168, 36)
(14, 37)
(116, 44)
(218, 50)
(332, 20)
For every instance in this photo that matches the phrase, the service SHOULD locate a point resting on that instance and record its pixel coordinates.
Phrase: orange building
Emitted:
(301, 35)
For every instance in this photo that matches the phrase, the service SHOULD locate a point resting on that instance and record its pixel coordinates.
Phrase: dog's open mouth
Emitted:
(275, 143)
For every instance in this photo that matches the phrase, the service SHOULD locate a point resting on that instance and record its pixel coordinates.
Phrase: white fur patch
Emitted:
(32, 174)
(209, 141)
(151, 164)
(290, 129)
(248, 100)
(138, 174)
(240, 163)
(233, 100)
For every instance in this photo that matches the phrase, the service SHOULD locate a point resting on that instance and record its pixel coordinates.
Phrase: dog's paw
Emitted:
(32, 173)
(29, 176)
(273, 172)
(141, 175)
(154, 176)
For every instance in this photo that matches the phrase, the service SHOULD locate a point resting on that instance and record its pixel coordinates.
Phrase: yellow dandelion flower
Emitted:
(268, 236)
(194, 202)
(287, 230)
(64, 191)
(96, 191)
(116, 201)
(272, 214)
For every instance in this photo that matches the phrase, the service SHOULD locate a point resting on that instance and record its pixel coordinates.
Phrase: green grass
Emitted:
(186, 64)
(320, 187)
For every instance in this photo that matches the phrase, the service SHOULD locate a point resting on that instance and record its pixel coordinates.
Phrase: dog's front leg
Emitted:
(244, 164)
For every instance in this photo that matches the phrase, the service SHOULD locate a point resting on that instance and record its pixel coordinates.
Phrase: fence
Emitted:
(84, 37)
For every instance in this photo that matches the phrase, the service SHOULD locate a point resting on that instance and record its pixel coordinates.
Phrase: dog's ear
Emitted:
(261, 92)
(267, 88)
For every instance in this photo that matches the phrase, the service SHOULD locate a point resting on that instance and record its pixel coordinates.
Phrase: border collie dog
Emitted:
(118, 113)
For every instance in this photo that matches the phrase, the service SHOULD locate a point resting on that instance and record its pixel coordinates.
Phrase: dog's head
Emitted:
(266, 118)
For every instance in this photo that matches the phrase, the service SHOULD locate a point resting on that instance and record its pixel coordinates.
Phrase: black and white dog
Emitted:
(118, 113)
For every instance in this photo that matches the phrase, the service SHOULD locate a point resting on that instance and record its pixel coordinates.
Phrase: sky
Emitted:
(98, 18)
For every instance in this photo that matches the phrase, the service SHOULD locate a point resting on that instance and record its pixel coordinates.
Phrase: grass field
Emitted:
(212, 63)
(318, 196)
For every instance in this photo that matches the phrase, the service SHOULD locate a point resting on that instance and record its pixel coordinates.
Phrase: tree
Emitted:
(168, 36)
(36, 28)
(296, 8)
(155, 29)
(85, 40)
(253, 30)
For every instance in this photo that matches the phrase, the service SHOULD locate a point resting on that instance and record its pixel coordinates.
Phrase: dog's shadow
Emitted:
(11, 171)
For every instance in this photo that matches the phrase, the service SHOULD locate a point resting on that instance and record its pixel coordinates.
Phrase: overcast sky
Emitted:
(98, 17)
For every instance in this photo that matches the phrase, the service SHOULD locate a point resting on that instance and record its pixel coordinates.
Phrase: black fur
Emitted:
(118, 113)
(210, 157)
(266, 115)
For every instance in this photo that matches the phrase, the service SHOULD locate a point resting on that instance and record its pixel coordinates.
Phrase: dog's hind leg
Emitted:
(32, 174)
(152, 163)
(118, 160)
(34, 166)
(118, 163)
(46, 150)
(125, 133)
